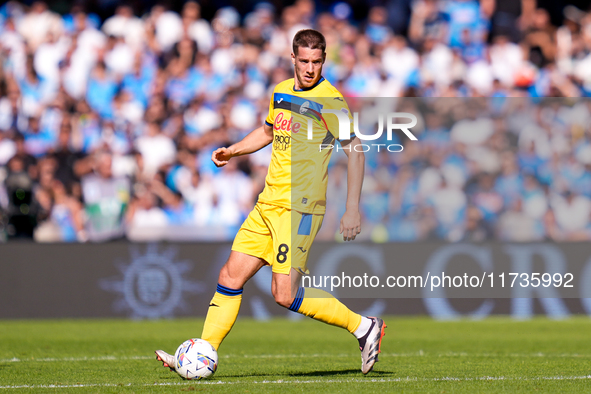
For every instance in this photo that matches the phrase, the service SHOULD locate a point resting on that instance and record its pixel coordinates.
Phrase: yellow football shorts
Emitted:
(279, 236)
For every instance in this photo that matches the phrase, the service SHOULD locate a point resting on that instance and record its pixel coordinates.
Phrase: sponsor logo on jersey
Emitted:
(284, 124)
(281, 142)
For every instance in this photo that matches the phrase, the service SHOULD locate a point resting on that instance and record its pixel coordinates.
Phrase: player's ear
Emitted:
(323, 57)
(293, 58)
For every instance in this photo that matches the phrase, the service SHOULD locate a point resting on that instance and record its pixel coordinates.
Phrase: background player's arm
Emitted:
(255, 140)
(351, 221)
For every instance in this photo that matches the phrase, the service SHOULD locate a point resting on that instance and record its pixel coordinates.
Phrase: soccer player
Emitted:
(280, 229)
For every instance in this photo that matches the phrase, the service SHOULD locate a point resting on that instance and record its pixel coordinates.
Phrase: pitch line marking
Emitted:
(281, 381)
(74, 359)
(420, 353)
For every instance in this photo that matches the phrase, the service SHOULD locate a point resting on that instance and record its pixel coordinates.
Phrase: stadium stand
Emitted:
(107, 124)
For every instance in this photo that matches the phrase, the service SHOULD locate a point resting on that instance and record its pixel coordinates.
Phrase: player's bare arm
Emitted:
(351, 220)
(254, 141)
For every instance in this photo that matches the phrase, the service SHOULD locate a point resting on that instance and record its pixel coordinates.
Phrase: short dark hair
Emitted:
(309, 38)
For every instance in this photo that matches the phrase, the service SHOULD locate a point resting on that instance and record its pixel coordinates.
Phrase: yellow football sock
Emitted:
(221, 315)
(321, 305)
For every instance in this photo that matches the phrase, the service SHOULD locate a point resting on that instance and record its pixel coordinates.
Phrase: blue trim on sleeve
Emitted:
(227, 291)
(268, 124)
(305, 224)
(297, 302)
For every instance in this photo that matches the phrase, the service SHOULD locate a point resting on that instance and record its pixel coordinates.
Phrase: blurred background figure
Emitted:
(22, 207)
(106, 198)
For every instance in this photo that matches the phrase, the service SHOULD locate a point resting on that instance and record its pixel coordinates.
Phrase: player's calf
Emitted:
(283, 289)
(284, 300)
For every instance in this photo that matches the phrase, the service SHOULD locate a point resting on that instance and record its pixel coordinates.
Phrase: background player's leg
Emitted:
(225, 304)
(315, 303)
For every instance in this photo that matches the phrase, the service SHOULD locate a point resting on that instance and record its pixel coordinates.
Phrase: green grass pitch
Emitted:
(418, 355)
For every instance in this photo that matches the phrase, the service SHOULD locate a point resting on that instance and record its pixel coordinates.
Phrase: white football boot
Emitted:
(370, 344)
(167, 359)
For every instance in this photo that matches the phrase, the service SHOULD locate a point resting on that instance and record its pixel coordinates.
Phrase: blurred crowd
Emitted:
(509, 169)
(107, 126)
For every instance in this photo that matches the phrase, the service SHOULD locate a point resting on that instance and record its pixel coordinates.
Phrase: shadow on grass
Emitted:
(350, 373)
(344, 372)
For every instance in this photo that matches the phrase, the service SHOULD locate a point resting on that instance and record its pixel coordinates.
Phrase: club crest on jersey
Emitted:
(304, 107)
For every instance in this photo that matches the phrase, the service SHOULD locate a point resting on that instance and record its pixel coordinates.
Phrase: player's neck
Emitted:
(298, 87)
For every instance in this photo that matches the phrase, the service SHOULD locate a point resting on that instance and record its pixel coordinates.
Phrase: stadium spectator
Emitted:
(13, 47)
(65, 215)
(427, 22)
(156, 148)
(144, 212)
(196, 28)
(476, 228)
(517, 226)
(105, 198)
(38, 24)
(177, 210)
(126, 25)
(7, 147)
(101, 90)
(572, 213)
(22, 206)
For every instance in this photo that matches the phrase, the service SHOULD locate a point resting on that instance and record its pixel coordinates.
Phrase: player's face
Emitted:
(308, 67)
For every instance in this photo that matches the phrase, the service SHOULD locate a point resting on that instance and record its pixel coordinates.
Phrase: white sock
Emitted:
(363, 327)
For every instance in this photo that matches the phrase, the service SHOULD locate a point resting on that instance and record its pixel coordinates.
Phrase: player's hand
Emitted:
(350, 225)
(221, 156)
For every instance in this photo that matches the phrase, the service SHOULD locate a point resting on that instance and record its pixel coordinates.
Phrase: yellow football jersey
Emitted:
(298, 172)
